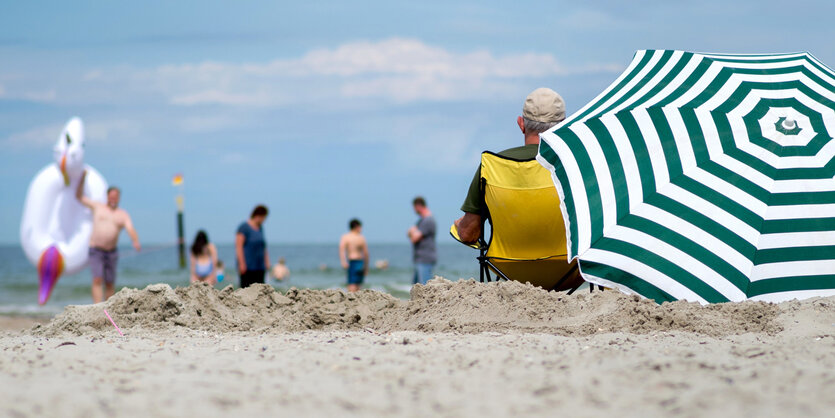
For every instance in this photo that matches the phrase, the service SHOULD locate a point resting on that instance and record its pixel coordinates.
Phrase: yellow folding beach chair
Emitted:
(527, 231)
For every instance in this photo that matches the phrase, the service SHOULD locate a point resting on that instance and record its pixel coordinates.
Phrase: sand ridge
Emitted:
(464, 306)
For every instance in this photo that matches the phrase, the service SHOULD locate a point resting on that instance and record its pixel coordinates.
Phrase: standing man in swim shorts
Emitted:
(108, 221)
(353, 254)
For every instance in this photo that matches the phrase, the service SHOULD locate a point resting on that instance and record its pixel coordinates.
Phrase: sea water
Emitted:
(314, 266)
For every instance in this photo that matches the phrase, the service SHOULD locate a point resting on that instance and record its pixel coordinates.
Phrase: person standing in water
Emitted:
(353, 254)
(251, 248)
(108, 221)
(422, 236)
(203, 258)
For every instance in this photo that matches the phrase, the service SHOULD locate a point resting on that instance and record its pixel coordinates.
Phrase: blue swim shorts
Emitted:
(356, 271)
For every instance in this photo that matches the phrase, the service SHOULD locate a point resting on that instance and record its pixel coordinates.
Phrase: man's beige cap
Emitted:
(544, 105)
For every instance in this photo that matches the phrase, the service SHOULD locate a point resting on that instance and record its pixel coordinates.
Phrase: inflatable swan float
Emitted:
(56, 227)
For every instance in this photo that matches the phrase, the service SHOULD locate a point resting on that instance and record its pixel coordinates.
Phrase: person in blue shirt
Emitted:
(251, 248)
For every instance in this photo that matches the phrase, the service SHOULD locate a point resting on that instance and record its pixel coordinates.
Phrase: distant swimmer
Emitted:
(381, 264)
(280, 271)
(353, 254)
(108, 221)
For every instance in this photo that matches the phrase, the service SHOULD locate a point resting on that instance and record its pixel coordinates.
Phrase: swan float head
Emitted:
(69, 150)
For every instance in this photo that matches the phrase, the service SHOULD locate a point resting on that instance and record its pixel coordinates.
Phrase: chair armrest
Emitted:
(454, 232)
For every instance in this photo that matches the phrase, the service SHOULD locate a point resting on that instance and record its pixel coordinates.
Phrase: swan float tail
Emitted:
(50, 267)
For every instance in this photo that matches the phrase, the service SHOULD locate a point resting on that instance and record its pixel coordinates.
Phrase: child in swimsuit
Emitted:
(220, 272)
(203, 258)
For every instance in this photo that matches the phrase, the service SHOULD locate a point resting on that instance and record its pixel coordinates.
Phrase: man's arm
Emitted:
(79, 192)
(191, 261)
(415, 235)
(267, 264)
(365, 256)
(469, 227)
(239, 252)
(343, 242)
(132, 232)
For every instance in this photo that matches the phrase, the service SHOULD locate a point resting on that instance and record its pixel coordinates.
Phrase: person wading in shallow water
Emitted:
(251, 248)
(422, 236)
(353, 254)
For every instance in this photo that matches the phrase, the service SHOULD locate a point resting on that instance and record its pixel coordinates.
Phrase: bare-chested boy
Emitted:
(353, 253)
(108, 221)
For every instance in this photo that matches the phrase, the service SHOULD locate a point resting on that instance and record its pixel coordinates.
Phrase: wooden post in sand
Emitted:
(181, 241)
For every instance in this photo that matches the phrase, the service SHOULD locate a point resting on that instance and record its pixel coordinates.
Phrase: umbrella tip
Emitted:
(789, 124)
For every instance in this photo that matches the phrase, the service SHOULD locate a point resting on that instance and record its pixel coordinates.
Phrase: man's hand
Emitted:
(242, 268)
(137, 246)
(414, 234)
(469, 227)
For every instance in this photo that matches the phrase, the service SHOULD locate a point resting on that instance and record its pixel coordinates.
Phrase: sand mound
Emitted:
(258, 308)
(469, 306)
(464, 306)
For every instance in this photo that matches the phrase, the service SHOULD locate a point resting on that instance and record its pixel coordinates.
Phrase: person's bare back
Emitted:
(353, 245)
(353, 254)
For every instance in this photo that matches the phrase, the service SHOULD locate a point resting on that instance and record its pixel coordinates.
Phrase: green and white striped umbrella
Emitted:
(703, 177)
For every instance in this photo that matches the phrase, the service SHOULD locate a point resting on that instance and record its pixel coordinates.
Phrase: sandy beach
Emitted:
(454, 349)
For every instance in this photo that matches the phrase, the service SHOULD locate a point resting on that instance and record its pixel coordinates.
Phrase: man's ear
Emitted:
(521, 122)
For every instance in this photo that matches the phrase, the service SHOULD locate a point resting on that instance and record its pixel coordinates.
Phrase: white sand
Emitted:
(455, 349)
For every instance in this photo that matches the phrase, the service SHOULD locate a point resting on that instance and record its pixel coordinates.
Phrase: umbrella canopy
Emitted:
(703, 177)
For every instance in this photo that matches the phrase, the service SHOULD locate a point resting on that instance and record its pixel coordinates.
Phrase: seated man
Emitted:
(543, 109)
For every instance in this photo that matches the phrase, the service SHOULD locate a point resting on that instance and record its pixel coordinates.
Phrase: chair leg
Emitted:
(483, 270)
(599, 287)
(565, 277)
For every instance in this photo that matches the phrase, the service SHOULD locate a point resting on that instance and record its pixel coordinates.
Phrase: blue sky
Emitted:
(325, 110)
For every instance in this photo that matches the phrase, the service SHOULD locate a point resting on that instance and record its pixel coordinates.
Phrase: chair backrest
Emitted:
(524, 209)
(527, 241)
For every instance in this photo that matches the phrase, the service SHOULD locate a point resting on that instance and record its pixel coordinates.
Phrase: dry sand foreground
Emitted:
(455, 349)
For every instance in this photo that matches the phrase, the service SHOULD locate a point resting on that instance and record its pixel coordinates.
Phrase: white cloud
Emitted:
(204, 123)
(596, 20)
(46, 136)
(413, 57)
(233, 158)
(398, 70)
(112, 130)
(222, 97)
(40, 96)
(392, 70)
(35, 95)
(37, 137)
